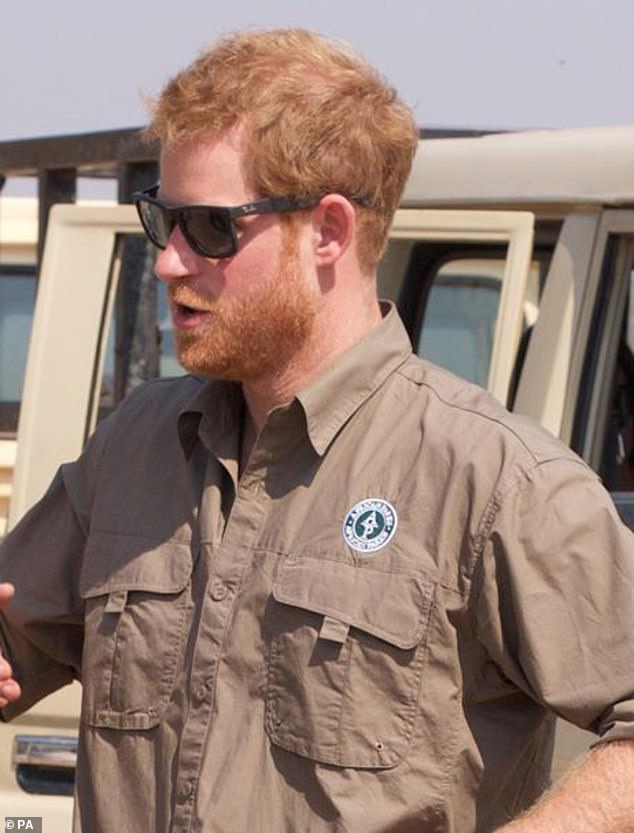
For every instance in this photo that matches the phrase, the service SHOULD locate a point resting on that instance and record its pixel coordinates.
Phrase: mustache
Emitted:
(185, 296)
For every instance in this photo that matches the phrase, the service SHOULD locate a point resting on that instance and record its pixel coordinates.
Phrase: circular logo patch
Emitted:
(369, 525)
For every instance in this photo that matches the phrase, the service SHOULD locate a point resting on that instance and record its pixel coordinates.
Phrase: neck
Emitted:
(334, 332)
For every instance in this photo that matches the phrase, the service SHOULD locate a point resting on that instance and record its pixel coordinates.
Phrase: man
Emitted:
(319, 585)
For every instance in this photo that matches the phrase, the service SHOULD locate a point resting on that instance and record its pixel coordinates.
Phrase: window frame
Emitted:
(512, 229)
(608, 286)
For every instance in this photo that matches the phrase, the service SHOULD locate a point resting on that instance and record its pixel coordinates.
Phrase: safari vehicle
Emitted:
(511, 260)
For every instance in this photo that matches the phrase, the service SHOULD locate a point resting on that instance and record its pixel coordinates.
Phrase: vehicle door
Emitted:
(578, 377)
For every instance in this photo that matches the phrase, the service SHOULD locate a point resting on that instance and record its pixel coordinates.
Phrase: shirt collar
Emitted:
(213, 414)
(335, 396)
(327, 404)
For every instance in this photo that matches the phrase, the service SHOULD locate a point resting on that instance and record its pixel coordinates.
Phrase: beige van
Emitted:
(511, 260)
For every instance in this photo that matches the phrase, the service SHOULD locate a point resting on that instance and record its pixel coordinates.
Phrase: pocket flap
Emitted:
(113, 561)
(394, 607)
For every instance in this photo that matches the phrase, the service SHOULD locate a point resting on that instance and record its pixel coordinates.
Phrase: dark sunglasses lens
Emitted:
(209, 231)
(156, 222)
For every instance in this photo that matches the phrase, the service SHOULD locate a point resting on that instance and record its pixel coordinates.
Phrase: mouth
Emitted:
(185, 317)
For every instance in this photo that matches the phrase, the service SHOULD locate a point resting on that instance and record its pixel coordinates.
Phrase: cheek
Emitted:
(258, 260)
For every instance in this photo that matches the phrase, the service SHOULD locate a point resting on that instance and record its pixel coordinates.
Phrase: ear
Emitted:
(334, 227)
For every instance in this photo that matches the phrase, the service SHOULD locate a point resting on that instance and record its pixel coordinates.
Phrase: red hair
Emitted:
(317, 119)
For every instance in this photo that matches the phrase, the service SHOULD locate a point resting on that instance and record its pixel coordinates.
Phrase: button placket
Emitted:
(242, 527)
(185, 791)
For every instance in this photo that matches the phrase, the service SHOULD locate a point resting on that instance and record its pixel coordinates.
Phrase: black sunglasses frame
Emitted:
(223, 217)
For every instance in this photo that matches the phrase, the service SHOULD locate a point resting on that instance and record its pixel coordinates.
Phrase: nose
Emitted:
(176, 261)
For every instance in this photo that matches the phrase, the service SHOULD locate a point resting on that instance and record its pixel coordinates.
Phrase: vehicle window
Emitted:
(17, 298)
(458, 326)
(450, 300)
(603, 431)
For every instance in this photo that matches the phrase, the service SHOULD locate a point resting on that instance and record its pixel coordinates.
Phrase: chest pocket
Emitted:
(137, 609)
(347, 646)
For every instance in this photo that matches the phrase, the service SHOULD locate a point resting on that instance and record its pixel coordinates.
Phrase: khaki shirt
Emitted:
(369, 631)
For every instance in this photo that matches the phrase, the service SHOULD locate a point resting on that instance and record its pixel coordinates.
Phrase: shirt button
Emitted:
(201, 693)
(218, 590)
(185, 791)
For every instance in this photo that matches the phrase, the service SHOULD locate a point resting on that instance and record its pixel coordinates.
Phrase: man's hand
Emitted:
(9, 689)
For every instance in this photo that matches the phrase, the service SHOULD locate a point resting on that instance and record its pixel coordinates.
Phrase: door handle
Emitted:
(45, 764)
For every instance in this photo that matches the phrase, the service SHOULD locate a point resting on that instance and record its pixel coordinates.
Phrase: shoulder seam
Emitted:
(487, 417)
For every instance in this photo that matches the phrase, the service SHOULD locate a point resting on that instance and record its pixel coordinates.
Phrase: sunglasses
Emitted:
(208, 229)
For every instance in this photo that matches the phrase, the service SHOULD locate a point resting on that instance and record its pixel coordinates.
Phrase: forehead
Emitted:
(205, 170)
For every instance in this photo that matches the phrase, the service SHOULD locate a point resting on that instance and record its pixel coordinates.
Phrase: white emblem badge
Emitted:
(369, 525)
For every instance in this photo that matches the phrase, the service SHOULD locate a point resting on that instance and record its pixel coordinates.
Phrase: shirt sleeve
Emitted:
(554, 597)
(41, 629)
